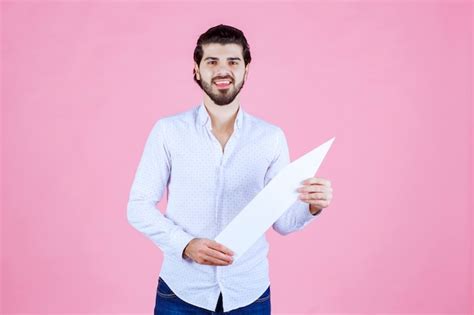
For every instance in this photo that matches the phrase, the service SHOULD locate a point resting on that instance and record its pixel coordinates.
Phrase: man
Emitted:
(213, 159)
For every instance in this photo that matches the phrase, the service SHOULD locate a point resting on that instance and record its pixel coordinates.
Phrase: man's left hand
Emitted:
(317, 192)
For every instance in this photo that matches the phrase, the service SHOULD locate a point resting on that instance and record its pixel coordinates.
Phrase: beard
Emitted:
(221, 97)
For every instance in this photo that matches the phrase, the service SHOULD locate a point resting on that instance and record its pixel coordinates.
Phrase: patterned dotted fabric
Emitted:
(207, 187)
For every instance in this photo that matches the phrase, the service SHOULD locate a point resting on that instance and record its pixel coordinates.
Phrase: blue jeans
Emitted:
(168, 303)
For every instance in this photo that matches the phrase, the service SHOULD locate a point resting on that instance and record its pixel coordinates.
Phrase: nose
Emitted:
(223, 71)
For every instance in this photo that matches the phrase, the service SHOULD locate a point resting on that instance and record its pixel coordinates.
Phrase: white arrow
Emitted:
(271, 202)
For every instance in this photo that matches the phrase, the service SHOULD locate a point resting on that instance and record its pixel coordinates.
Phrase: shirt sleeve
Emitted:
(147, 189)
(298, 215)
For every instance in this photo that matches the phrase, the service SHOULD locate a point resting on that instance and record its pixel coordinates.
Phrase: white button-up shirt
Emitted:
(207, 187)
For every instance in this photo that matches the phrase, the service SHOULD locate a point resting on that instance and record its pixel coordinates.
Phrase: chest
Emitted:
(222, 137)
(208, 160)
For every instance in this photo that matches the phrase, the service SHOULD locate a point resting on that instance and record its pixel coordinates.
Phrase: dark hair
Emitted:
(221, 34)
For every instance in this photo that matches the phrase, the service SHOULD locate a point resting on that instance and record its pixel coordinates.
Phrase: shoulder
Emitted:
(175, 121)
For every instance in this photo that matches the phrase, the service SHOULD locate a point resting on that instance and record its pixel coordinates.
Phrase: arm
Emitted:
(298, 214)
(150, 180)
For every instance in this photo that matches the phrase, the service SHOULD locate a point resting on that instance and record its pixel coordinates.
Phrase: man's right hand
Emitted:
(208, 252)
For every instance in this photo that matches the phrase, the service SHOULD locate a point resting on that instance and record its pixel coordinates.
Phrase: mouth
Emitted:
(222, 84)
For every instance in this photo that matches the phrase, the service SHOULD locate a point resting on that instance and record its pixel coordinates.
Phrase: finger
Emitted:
(316, 196)
(218, 255)
(313, 188)
(215, 260)
(312, 197)
(211, 262)
(317, 180)
(217, 246)
(319, 203)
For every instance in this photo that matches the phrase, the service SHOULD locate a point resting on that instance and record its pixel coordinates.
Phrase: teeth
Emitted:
(222, 82)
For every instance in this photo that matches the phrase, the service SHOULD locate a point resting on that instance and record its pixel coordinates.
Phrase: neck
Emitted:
(222, 116)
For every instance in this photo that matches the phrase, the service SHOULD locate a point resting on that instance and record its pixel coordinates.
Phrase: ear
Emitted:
(246, 71)
(196, 71)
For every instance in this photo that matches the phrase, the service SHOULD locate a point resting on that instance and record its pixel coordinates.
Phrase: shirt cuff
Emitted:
(304, 215)
(179, 240)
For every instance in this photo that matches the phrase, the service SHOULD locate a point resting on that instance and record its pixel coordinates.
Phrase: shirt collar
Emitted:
(204, 119)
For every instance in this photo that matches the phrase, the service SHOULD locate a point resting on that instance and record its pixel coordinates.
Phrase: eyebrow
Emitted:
(229, 58)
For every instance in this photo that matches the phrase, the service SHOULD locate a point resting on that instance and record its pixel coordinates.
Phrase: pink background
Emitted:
(83, 82)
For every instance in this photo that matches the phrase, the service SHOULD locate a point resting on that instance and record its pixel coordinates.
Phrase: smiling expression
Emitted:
(221, 72)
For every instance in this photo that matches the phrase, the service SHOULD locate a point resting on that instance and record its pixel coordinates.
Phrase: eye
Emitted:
(211, 62)
(234, 62)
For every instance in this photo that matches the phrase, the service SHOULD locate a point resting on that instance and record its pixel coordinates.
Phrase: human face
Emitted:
(222, 72)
